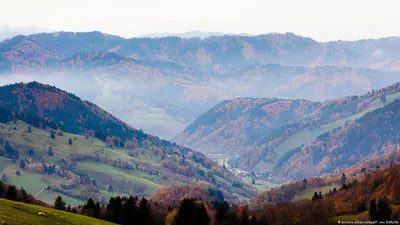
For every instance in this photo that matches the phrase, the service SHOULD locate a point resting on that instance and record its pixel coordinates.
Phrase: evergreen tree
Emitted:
(29, 129)
(253, 181)
(24, 196)
(263, 220)
(143, 212)
(17, 173)
(59, 203)
(315, 196)
(50, 152)
(343, 179)
(220, 214)
(114, 208)
(384, 210)
(22, 163)
(372, 209)
(70, 141)
(1, 189)
(11, 193)
(244, 218)
(52, 135)
(127, 214)
(201, 216)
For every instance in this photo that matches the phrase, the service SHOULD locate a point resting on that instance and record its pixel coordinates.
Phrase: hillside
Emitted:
(263, 132)
(369, 136)
(92, 153)
(28, 214)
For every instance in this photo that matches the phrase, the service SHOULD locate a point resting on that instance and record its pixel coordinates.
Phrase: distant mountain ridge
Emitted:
(197, 74)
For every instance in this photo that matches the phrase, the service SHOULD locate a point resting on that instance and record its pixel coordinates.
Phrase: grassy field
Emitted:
(20, 213)
(39, 140)
(260, 185)
(357, 217)
(309, 135)
(309, 192)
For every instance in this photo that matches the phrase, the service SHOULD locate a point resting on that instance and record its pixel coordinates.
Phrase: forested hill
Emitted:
(372, 135)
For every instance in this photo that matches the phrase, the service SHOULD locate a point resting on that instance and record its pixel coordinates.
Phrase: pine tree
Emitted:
(253, 181)
(70, 141)
(384, 210)
(11, 193)
(59, 203)
(52, 135)
(1, 189)
(315, 196)
(263, 220)
(21, 163)
(343, 179)
(201, 215)
(372, 209)
(29, 129)
(24, 195)
(50, 152)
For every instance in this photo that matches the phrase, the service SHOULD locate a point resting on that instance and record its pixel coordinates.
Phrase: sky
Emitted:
(323, 20)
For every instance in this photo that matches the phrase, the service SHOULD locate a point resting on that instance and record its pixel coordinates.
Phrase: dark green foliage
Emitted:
(2, 191)
(7, 150)
(17, 173)
(50, 151)
(11, 193)
(114, 209)
(192, 212)
(31, 152)
(21, 163)
(52, 134)
(253, 180)
(360, 207)
(91, 208)
(244, 218)
(70, 141)
(59, 203)
(127, 214)
(263, 220)
(380, 211)
(143, 214)
(343, 179)
(384, 209)
(24, 195)
(29, 129)
(5, 115)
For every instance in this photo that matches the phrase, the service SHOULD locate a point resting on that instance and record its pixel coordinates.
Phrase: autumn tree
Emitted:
(59, 203)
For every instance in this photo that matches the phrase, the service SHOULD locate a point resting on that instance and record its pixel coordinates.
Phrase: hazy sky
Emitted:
(320, 19)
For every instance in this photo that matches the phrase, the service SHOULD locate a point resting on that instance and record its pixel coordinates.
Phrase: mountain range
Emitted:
(162, 76)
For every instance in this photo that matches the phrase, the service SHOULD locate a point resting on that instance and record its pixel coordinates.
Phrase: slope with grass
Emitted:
(15, 213)
(308, 135)
(369, 136)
